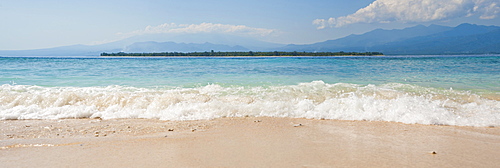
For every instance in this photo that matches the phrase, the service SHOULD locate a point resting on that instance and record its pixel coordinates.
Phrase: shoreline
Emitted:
(212, 53)
(243, 56)
(244, 142)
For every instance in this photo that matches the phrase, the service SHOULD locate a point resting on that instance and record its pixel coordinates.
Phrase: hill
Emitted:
(433, 39)
(422, 40)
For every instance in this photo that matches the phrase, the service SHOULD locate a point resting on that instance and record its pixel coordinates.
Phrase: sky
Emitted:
(34, 24)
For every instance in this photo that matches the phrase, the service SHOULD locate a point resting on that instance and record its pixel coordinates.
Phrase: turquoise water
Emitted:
(452, 90)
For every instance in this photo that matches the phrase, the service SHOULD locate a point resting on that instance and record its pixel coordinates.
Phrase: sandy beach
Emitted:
(243, 142)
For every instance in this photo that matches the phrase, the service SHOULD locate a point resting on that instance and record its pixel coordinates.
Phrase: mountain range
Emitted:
(433, 39)
(421, 40)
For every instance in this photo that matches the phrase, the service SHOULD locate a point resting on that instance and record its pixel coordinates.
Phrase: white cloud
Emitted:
(202, 28)
(386, 11)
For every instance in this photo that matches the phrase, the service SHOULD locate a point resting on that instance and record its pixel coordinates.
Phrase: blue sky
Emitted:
(32, 24)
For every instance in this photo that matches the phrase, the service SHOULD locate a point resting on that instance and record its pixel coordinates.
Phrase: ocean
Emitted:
(434, 90)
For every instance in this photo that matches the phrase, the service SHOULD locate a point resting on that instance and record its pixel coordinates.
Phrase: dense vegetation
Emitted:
(249, 54)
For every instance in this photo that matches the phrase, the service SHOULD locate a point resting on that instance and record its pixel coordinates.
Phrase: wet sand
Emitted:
(243, 142)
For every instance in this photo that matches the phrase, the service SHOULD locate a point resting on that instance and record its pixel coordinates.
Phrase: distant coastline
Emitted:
(239, 54)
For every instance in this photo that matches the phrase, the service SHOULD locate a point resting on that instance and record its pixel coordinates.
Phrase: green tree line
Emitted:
(249, 53)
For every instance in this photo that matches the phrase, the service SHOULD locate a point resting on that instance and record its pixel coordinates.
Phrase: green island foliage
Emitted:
(242, 54)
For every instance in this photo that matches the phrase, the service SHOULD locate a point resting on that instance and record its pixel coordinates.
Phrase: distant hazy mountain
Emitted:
(196, 39)
(152, 46)
(200, 38)
(73, 50)
(433, 39)
(155, 43)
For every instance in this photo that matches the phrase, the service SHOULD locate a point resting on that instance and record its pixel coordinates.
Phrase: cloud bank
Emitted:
(202, 28)
(386, 11)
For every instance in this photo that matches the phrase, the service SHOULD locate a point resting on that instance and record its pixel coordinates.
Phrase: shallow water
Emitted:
(450, 90)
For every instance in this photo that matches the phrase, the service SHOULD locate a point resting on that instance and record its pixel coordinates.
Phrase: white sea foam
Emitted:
(316, 100)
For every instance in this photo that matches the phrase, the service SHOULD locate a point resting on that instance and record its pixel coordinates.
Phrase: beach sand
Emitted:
(244, 142)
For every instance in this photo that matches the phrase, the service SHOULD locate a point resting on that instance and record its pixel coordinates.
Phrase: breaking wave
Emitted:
(315, 100)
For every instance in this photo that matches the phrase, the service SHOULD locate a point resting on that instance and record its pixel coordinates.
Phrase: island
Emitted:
(240, 54)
